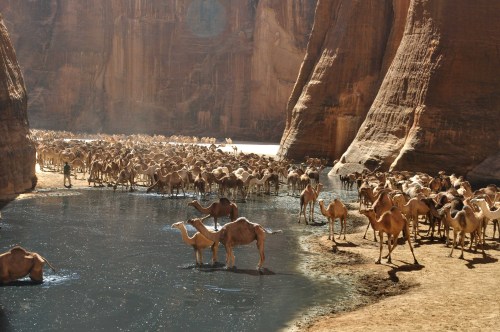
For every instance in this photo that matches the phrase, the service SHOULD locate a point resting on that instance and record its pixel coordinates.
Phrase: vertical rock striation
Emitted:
(400, 85)
(17, 151)
(193, 67)
(438, 107)
(351, 45)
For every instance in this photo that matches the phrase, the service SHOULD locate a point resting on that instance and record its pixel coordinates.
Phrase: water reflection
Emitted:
(121, 267)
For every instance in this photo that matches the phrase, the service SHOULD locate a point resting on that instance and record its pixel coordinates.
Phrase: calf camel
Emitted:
(336, 209)
(224, 207)
(308, 197)
(198, 242)
(235, 233)
(391, 222)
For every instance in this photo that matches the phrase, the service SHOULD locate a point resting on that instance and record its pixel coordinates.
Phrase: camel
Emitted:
(391, 222)
(465, 221)
(198, 242)
(308, 197)
(419, 206)
(493, 215)
(336, 209)
(222, 208)
(235, 233)
(382, 204)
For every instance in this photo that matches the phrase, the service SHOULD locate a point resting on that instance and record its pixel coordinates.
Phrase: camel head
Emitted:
(177, 224)
(368, 212)
(193, 203)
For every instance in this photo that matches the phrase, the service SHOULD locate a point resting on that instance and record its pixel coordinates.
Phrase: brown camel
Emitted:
(198, 242)
(222, 208)
(391, 222)
(235, 233)
(308, 197)
(465, 221)
(336, 209)
(382, 204)
(417, 206)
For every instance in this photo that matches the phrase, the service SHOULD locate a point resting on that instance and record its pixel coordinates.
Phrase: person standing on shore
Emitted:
(67, 174)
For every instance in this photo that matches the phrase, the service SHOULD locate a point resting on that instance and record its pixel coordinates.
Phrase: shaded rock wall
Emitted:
(193, 67)
(431, 94)
(17, 151)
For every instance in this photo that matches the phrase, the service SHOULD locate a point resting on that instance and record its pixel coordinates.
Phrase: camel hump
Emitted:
(18, 249)
(225, 201)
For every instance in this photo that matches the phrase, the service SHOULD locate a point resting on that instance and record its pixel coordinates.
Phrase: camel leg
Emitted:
(454, 242)
(409, 243)
(260, 247)
(215, 223)
(229, 255)
(344, 225)
(462, 238)
(389, 246)
(215, 248)
(366, 231)
(381, 235)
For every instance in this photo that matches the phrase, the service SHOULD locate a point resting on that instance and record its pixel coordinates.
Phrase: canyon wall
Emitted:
(220, 68)
(17, 150)
(425, 74)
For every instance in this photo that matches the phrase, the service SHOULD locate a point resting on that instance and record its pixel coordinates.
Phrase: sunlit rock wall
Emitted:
(192, 67)
(17, 151)
(410, 85)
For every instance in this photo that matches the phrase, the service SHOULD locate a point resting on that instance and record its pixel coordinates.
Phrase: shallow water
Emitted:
(121, 267)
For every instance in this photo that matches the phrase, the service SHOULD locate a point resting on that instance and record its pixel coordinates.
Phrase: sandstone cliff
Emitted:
(17, 151)
(195, 67)
(429, 90)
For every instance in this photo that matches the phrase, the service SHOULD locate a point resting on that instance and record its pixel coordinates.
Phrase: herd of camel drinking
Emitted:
(392, 201)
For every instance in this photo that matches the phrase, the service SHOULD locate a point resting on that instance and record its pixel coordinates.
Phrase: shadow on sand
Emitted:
(483, 260)
(407, 267)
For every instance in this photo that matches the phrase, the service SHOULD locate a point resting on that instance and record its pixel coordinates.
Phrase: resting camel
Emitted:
(464, 222)
(308, 197)
(222, 208)
(235, 233)
(391, 222)
(198, 242)
(336, 209)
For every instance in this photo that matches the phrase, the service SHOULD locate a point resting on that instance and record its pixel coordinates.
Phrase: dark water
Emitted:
(122, 268)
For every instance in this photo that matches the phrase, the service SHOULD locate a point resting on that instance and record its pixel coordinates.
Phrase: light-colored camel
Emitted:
(493, 215)
(336, 209)
(198, 242)
(308, 197)
(222, 208)
(235, 233)
(391, 222)
(465, 221)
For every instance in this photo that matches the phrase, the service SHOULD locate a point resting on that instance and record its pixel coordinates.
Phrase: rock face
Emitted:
(222, 68)
(17, 151)
(430, 92)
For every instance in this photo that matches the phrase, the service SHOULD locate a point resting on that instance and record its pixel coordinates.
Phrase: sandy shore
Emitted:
(440, 294)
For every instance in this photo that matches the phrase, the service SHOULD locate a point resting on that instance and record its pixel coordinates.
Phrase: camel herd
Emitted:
(391, 201)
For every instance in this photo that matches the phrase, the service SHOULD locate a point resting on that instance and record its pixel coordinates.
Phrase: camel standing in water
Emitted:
(235, 233)
(391, 222)
(308, 197)
(198, 242)
(222, 208)
(336, 209)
